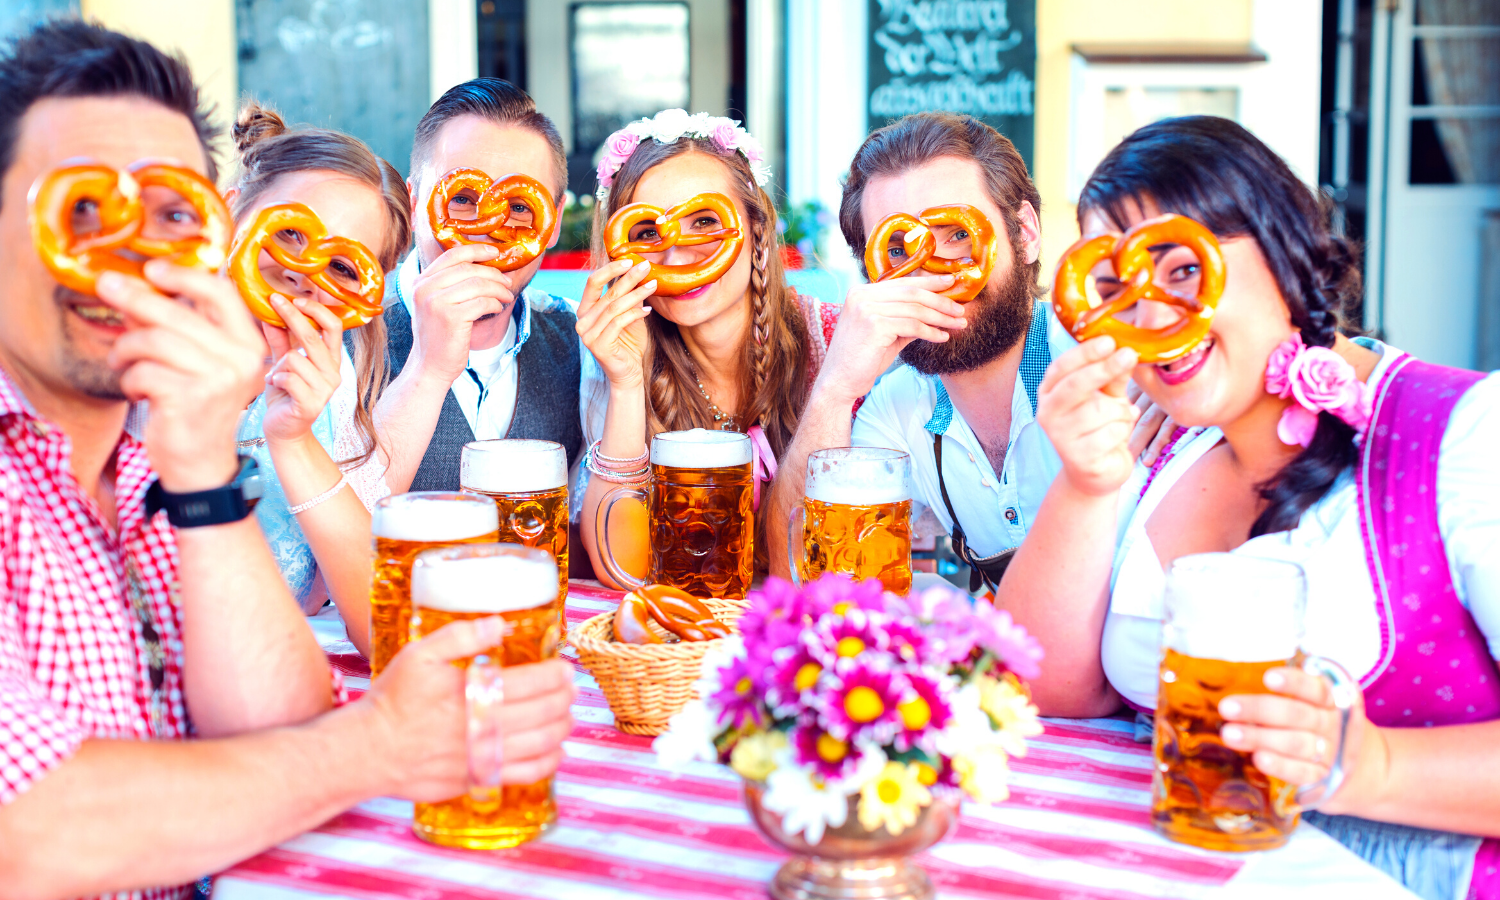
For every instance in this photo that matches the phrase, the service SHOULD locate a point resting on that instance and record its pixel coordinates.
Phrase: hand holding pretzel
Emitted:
(970, 274)
(116, 197)
(356, 280)
(673, 280)
(519, 245)
(1131, 253)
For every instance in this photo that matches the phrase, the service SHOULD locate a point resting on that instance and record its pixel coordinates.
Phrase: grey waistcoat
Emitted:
(547, 378)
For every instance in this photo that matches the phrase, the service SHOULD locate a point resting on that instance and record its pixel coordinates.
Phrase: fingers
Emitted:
(458, 640)
(1108, 373)
(216, 298)
(323, 343)
(599, 280)
(541, 735)
(536, 680)
(470, 253)
(1161, 441)
(1276, 711)
(1085, 354)
(531, 771)
(1146, 427)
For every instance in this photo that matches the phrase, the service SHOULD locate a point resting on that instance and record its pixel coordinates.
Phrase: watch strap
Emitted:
(198, 509)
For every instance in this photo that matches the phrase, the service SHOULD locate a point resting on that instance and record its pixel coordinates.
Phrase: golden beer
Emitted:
(855, 517)
(1204, 793)
(528, 480)
(1227, 619)
(701, 508)
(474, 582)
(403, 526)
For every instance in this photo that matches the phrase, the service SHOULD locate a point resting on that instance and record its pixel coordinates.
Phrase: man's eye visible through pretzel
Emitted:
(85, 217)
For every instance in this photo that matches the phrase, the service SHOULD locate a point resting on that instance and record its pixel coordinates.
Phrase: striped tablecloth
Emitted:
(1075, 827)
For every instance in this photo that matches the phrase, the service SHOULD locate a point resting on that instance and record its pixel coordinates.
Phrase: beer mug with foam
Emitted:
(855, 517)
(1229, 619)
(519, 584)
(403, 526)
(528, 480)
(701, 507)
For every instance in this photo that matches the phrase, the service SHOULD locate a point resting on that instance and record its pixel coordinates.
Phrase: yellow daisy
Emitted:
(754, 757)
(983, 774)
(893, 798)
(1010, 710)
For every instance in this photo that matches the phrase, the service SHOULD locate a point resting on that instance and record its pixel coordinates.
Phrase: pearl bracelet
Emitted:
(326, 495)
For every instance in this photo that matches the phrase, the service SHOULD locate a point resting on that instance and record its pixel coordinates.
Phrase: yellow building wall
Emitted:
(202, 30)
(1062, 23)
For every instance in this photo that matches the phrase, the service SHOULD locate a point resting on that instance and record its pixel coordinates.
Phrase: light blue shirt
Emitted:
(907, 408)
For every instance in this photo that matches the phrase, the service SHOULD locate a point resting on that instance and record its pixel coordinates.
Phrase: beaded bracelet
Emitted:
(326, 495)
(612, 475)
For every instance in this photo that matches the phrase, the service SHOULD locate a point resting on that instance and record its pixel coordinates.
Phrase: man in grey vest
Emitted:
(476, 352)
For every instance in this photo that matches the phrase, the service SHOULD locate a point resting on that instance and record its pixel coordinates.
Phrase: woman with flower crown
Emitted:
(738, 354)
(1372, 470)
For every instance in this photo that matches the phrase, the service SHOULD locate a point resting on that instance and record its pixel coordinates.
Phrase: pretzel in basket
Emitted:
(673, 280)
(494, 201)
(117, 242)
(318, 254)
(970, 273)
(672, 608)
(1134, 267)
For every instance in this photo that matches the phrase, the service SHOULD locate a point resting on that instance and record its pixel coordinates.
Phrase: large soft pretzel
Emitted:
(318, 250)
(1135, 268)
(674, 280)
(673, 609)
(519, 244)
(77, 260)
(970, 274)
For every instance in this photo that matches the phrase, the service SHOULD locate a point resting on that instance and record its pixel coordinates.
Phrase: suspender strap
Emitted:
(985, 570)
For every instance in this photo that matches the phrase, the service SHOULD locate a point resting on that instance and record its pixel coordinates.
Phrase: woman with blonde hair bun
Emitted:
(738, 354)
(312, 430)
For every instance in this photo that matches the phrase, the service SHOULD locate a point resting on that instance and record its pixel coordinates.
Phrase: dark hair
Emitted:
(922, 137)
(267, 152)
(495, 100)
(69, 58)
(1213, 170)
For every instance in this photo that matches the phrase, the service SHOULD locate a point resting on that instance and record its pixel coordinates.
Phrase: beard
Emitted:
(998, 319)
(89, 377)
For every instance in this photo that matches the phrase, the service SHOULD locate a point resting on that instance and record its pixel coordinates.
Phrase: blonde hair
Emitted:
(268, 150)
(774, 379)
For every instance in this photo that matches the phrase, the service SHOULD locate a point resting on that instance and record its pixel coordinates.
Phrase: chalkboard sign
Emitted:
(966, 56)
(18, 15)
(359, 66)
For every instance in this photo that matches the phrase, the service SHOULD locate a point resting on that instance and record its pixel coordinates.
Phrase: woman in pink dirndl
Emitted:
(1373, 470)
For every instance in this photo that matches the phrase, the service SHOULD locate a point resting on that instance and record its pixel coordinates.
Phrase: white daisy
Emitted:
(689, 737)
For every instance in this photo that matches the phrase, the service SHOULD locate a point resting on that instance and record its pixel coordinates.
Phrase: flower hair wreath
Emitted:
(669, 125)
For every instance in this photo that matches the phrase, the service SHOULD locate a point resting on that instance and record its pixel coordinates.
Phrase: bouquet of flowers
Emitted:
(838, 689)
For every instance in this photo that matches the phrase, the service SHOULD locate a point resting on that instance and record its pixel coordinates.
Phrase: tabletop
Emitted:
(1076, 826)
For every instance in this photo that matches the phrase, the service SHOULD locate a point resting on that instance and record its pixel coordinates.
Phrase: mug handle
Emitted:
(796, 545)
(484, 695)
(601, 535)
(1345, 692)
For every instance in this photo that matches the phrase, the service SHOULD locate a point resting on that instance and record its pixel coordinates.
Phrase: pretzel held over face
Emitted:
(673, 609)
(970, 274)
(115, 197)
(312, 259)
(674, 280)
(519, 244)
(1135, 268)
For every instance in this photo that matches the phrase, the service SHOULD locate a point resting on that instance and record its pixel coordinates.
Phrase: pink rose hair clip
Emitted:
(669, 125)
(1317, 380)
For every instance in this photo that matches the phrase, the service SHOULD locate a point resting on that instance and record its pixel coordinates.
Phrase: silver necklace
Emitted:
(723, 421)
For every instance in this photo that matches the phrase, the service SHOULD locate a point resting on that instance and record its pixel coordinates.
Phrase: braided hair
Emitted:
(774, 361)
(1213, 170)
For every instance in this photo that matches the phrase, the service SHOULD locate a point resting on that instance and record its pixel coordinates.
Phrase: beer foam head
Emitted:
(858, 476)
(700, 449)
(434, 516)
(483, 578)
(513, 466)
(1234, 608)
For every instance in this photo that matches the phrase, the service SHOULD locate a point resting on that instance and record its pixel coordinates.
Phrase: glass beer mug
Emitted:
(528, 480)
(700, 503)
(475, 581)
(855, 517)
(403, 526)
(1228, 619)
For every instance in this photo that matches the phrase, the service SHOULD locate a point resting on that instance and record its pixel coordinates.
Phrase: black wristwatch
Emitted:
(217, 506)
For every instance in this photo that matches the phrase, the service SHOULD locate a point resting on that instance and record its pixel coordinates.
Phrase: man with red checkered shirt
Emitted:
(164, 708)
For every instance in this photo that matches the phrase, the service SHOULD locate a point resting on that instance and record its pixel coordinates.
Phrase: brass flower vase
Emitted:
(851, 862)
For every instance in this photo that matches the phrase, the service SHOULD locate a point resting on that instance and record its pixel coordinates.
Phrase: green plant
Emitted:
(803, 225)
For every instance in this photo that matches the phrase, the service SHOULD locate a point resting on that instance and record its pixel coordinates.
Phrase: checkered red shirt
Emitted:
(73, 653)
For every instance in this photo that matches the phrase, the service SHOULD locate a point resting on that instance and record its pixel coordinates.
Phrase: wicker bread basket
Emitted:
(646, 684)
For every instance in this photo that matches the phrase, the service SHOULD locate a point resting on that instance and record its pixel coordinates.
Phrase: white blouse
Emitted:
(1341, 620)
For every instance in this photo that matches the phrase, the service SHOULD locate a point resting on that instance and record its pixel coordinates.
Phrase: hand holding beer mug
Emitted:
(700, 503)
(1228, 620)
(855, 517)
(528, 480)
(405, 525)
(474, 582)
